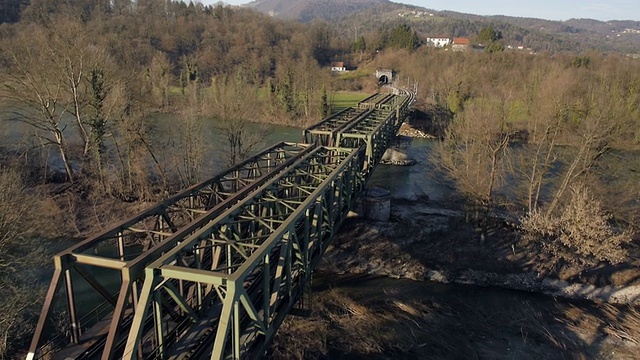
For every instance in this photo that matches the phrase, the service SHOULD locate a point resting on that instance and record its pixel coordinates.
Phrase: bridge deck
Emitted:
(324, 132)
(374, 101)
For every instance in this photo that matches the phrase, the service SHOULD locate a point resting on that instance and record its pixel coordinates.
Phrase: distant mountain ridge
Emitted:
(614, 35)
(539, 34)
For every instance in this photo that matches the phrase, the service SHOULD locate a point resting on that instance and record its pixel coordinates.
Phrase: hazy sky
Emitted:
(544, 9)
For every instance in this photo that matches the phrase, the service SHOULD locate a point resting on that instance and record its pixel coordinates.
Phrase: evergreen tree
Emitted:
(360, 45)
(325, 110)
(285, 92)
(491, 39)
(402, 37)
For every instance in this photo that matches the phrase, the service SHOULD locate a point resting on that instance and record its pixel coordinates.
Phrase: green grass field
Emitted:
(356, 74)
(344, 99)
(340, 100)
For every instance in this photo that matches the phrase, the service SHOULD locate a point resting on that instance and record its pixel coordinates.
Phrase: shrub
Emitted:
(583, 232)
(20, 256)
(13, 206)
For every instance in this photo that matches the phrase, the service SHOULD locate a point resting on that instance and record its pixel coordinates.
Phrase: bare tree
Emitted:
(475, 152)
(600, 120)
(582, 115)
(158, 76)
(232, 105)
(39, 88)
(18, 303)
(140, 170)
(59, 74)
(547, 99)
(582, 233)
(13, 209)
(190, 136)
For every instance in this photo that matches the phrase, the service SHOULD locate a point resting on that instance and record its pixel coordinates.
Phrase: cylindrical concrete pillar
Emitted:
(377, 204)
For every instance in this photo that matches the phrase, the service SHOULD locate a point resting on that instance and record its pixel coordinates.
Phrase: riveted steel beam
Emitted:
(324, 132)
(374, 101)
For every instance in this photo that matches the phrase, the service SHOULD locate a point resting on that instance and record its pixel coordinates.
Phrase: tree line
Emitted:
(552, 140)
(87, 83)
(99, 69)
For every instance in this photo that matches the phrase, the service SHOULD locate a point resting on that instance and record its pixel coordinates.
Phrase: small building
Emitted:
(461, 44)
(338, 66)
(439, 41)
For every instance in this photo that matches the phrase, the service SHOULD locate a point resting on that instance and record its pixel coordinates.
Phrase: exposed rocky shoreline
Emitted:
(393, 249)
(396, 249)
(413, 132)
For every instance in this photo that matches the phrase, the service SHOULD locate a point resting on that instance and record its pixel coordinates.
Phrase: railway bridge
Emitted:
(212, 271)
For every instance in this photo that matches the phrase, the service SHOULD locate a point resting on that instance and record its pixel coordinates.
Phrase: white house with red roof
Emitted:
(461, 44)
(439, 41)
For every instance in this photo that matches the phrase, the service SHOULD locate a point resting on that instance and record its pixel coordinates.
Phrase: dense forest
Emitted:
(84, 87)
(87, 81)
(551, 140)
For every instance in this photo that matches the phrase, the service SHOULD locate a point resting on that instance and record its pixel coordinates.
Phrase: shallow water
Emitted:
(413, 182)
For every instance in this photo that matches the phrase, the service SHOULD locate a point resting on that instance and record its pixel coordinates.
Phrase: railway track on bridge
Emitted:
(213, 270)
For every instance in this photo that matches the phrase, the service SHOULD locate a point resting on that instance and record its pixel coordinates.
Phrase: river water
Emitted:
(413, 182)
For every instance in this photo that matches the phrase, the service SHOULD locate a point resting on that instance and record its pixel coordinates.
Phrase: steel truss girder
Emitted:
(243, 271)
(392, 102)
(374, 133)
(380, 108)
(374, 101)
(402, 104)
(324, 132)
(209, 198)
(201, 278)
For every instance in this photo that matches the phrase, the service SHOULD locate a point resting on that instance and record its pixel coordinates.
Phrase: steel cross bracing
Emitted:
(374, 101)
(226, 259)
(399, 102)
(373, 132)
(401, 105)
(242, 273)
(113, 249)
(324, 132)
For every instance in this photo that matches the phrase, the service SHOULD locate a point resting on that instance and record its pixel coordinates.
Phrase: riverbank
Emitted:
(414, 132)
(425, 241)
(373, 317)
(423, 286)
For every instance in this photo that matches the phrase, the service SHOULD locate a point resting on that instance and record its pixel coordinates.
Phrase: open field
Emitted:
(344, 99)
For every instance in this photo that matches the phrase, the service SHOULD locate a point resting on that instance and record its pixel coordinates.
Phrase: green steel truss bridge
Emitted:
(212, 271)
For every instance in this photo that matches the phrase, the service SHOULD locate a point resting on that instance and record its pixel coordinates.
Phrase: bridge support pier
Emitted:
(377, 204)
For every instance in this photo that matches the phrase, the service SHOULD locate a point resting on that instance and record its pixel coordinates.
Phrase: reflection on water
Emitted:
(214, 141)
